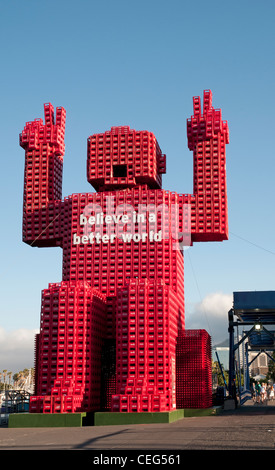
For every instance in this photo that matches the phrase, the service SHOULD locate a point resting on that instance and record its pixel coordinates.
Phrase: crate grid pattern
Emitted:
(139, 150)
(146, 343)
(207, 136)
(68, 371)
(108, 330)
(194, 369)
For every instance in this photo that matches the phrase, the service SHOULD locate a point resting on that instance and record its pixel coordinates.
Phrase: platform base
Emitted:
(109, 418)
(112, 418)
(51, 420)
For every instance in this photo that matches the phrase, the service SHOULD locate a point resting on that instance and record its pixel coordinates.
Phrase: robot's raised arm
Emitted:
(207, 137)
(44, 151)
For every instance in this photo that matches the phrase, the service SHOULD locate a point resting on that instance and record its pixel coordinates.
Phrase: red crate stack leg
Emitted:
(147, 319)
(70, 346)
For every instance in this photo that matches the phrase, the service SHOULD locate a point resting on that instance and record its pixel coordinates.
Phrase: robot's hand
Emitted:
(52, 133)
(207, 123)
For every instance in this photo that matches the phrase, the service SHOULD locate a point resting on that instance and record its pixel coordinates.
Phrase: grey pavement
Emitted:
(249, 427)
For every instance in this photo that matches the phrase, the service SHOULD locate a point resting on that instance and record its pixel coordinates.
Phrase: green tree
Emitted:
(216, 371)
(4, 372)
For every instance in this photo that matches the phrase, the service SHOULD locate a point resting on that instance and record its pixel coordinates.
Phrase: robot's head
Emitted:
(124, 158)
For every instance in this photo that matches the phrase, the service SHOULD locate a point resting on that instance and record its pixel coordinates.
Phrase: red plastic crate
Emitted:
(131, 293)
(194, 370)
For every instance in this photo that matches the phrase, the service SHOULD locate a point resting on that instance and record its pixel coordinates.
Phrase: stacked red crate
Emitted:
(108, 371)
(68, 374)
(194, 370)
(127, 293)
(123, 157)
(44, 145)
(147, 327)
(207, 137)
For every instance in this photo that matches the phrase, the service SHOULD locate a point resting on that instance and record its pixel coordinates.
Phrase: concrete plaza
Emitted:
(249, 427)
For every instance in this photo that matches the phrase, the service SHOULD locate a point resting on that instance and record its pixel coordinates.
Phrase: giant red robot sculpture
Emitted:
(111, 330)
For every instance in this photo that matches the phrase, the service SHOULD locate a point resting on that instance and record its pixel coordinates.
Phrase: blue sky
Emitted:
(139, 64)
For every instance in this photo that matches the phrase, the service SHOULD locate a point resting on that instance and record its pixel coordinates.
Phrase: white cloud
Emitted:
(16, 349)
(211, 314)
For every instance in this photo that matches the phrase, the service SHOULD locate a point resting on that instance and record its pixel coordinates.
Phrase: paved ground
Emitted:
(250, 427)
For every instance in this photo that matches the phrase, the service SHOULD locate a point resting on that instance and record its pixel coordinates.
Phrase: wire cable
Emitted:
(254, 244)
